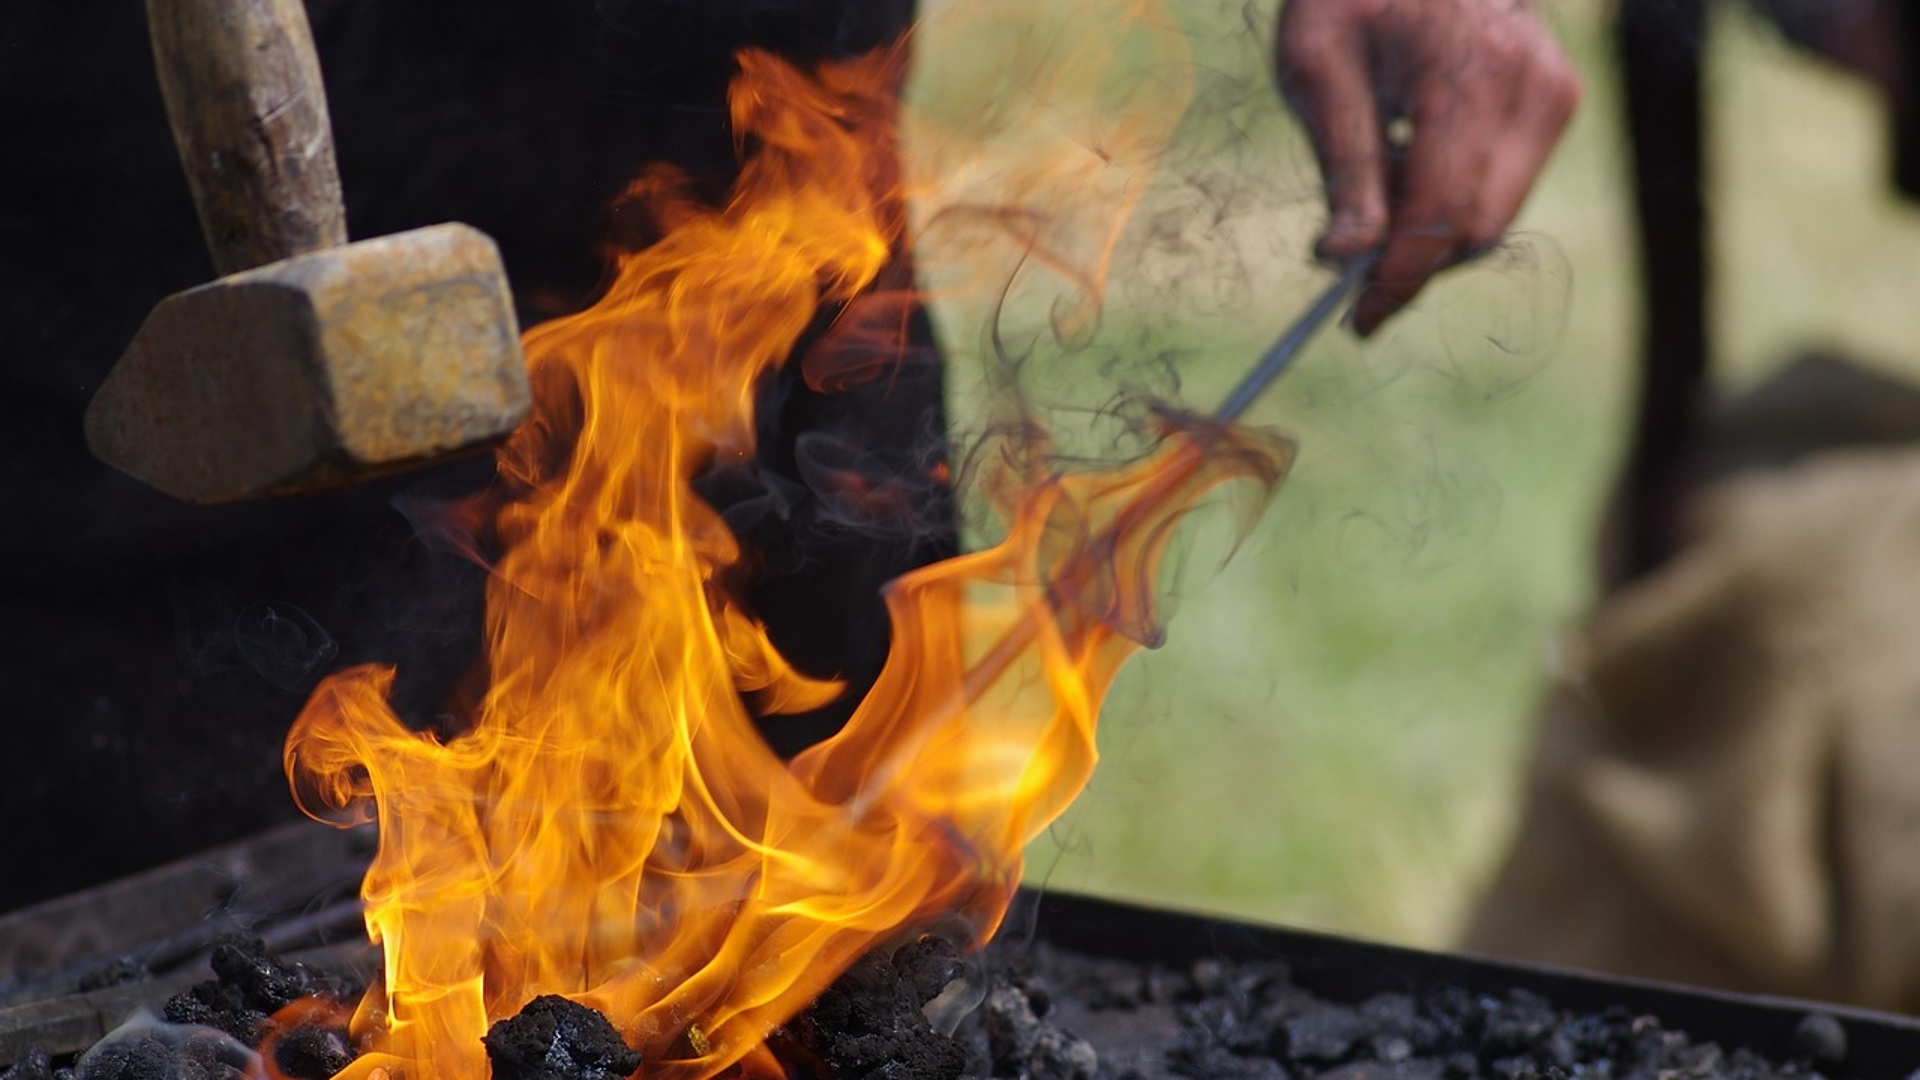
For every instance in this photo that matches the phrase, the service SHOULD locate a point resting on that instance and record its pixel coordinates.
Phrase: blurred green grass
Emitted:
(1335, 735)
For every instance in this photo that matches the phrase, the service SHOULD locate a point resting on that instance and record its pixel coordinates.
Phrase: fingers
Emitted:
(1489, 108)
(1324, 73)
(1488, 92)
(1540, 114)
(1455, 129)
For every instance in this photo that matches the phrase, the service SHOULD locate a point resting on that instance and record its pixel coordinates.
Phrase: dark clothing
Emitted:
(152, 655)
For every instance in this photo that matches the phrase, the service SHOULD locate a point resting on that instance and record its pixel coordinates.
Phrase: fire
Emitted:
(610, 826)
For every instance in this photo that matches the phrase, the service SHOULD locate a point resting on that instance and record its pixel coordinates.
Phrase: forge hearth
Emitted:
(1073, 989)
(73, 968)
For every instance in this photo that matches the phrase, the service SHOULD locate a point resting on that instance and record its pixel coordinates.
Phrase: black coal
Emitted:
(557, 1039)
(250, 984)
(872, 1025)
(1025, 1010)
(313, 1051)
(1250, 1021)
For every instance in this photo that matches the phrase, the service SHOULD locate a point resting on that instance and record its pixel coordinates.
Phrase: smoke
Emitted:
(1030, 180)
(283, 644)
(1504, 318)
(1114, 220)
(1432, 515)
(275, 640)
(865, 434)
(147, 1048)
(411, 597)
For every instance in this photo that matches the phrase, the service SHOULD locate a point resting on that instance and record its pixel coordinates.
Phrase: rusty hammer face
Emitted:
(313, 363)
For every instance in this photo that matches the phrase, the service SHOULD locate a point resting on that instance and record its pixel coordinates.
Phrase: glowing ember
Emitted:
(611, 827)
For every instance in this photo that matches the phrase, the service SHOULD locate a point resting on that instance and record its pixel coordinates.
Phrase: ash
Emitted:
(145, 1048)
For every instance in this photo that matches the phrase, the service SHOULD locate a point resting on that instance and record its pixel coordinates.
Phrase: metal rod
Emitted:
(1016, 638)
(994, 664)
(1281, 355)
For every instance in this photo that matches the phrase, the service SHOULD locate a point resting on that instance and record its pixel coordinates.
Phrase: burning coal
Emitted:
(610, 827)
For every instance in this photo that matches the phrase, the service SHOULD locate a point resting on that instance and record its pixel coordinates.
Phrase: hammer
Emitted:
(311, 363)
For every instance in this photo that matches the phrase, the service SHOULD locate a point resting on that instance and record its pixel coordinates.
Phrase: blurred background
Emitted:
(1336, 734)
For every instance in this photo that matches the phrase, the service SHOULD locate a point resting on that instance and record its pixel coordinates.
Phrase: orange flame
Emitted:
(612, 827)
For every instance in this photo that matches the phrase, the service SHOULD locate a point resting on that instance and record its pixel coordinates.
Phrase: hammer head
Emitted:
(318, 370)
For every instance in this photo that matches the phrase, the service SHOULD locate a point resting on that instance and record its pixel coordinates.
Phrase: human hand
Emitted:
(1431, 120)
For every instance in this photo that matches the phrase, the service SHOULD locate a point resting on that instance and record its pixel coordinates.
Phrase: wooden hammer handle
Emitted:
(249, 115)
